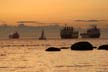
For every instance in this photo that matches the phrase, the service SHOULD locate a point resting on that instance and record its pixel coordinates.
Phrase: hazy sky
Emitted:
(52, 10)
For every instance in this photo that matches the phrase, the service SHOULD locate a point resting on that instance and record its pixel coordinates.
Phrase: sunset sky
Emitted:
(60, 11)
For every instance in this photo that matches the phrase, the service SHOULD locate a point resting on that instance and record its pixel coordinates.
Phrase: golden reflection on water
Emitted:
(30, 56)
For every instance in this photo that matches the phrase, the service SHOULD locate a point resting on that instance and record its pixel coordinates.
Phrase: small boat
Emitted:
(42, 37)
(14, 35)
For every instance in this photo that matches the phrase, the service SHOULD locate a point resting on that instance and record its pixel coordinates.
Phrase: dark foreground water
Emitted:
(30, 56)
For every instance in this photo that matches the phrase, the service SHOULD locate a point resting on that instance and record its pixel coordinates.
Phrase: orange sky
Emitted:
(52, 10)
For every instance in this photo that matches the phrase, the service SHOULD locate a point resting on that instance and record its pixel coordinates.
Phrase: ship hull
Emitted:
(73, 36)
(42, 38)
(90, 36)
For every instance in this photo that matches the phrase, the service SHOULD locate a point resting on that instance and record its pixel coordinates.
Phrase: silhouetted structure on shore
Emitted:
(82, 46)
(14, 35)
(68, 33)
(93, 32)
(103, 47)
(52, 49)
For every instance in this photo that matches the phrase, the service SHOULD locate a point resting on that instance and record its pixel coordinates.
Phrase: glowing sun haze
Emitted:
(52, 10)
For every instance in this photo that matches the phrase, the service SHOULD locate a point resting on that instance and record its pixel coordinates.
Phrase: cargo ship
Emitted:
(93, 32)
(68, 33)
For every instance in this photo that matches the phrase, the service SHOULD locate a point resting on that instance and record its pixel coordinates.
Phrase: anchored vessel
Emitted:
(68, 33)
(93, 32)
(42, 37)
(14, 35)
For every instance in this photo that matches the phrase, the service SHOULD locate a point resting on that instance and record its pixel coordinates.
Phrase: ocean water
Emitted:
(29, 55)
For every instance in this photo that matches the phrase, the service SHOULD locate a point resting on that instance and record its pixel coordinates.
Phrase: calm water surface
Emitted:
(30, 56)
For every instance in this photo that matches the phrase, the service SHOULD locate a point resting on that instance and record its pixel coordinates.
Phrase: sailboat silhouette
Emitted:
(42, 37)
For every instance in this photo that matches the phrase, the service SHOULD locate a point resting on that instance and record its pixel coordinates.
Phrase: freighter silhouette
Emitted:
(93, 32)
(68, 33)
